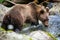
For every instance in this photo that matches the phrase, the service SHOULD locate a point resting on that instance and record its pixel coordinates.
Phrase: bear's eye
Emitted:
(42, 11)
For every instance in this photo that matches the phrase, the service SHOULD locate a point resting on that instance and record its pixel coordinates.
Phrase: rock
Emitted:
(40, 35)
(35, 35)
(2, 34)
(55, 9)
(3, 11)
(3, 8)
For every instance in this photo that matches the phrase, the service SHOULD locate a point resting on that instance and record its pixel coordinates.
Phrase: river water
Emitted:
(54, 25)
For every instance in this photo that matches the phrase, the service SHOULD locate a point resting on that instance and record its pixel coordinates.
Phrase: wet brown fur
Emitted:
(20, 14)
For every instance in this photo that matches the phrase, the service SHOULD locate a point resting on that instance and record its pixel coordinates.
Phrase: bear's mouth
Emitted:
(45, 22)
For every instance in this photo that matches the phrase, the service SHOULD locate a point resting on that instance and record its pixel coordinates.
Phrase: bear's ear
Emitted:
(39, 7)
(47, 9)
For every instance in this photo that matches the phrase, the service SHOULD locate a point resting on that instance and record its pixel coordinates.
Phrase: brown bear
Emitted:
(25, 13)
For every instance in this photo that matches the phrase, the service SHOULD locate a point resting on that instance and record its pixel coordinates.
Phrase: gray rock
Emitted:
(3, 11)
(40, 35)
(35, 35)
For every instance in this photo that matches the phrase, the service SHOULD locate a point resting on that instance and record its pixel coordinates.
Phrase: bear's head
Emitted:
(43, 14)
